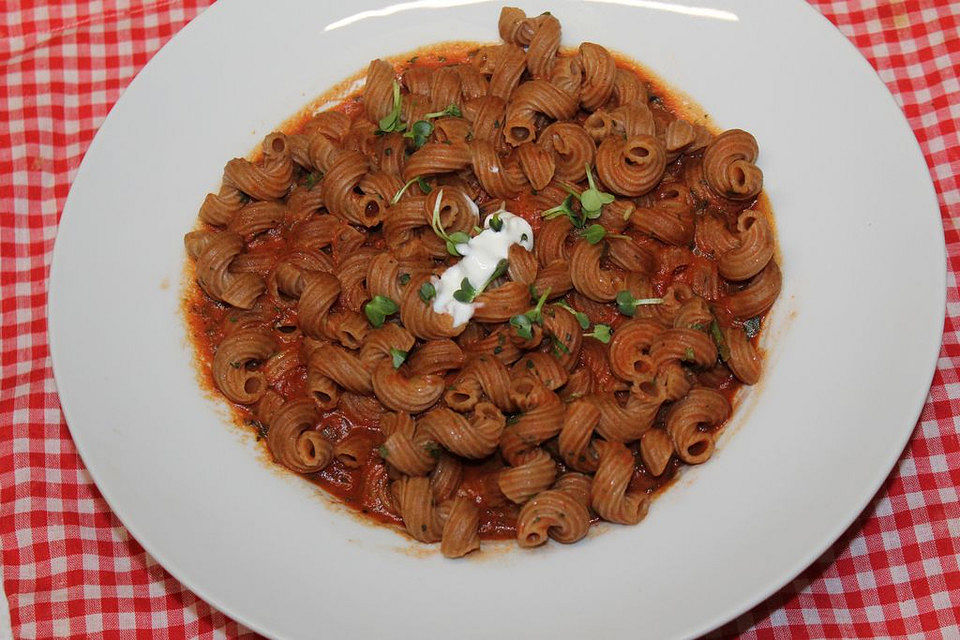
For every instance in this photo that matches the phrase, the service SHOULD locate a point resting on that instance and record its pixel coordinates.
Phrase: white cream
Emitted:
(480, 258)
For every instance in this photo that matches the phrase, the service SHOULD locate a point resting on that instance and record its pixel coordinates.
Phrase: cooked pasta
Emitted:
(614, 259)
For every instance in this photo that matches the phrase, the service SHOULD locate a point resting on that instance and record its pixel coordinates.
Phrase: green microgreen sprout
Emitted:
(378, 309)
(421, 182)
(467, 292)
(601, 332)
(523, 322)
(392, 121)
(421, 129)
(595, 233)
(453, 239)
(627, 304)
(581, 317)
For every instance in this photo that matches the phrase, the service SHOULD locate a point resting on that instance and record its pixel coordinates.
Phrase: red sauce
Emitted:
(358, 487)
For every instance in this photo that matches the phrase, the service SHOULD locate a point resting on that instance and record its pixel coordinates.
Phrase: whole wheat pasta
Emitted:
(603, 349)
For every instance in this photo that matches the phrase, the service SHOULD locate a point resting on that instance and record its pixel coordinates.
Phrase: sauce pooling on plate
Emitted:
(501, 292)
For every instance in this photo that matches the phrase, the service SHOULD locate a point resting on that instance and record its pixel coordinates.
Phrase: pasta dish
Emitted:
(501, 291)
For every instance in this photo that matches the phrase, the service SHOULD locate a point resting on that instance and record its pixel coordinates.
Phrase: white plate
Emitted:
(851, 350)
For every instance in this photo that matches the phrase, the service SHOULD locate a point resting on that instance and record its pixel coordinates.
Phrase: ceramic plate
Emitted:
(851, 344)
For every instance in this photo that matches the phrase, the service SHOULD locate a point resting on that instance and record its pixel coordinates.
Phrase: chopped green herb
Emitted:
(378, 309)
(559, 347)
(497, 350)
(627, 304)
(388, 151)
(392, 121)
(398, 356)
(601, 332)
(404, 279)
(689, 355)
(496, 222)
(382, 450)
(698, 326)
(312, 180)
(723, 349)
(236, 365)
(496, 124)
(232, 318)
(427, 291)
(432, 448)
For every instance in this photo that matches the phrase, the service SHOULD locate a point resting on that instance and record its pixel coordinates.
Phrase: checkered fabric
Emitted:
(71, 569)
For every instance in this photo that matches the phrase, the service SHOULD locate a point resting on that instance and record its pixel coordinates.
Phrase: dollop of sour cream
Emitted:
(480, 258)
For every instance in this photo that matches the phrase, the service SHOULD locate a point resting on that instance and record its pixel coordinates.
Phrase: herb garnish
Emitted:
(421, 129)
(312, 180)
(595, 233)
(627, 304)
(427, 291)
(591, 200)
(421, 182)
(392, 121)
(601, 332)
(398, 356)
(467, 292)
(523, 322)
(453, 239)
(723, 349)
(581, 317)
(378, 309)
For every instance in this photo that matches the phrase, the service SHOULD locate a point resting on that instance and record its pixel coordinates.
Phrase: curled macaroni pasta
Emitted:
(602, 356)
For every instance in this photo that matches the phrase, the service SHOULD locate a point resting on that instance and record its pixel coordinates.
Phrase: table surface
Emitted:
(71, 569)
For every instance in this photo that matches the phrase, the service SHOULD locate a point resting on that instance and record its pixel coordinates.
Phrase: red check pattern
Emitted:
(70, 569)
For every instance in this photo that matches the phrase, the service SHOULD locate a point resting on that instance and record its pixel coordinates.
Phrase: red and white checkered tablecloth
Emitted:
(71, 569)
